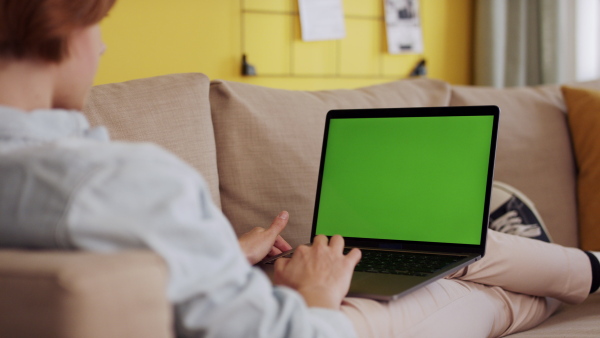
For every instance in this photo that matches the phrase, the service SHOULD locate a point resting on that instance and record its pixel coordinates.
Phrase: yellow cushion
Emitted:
(583, 106)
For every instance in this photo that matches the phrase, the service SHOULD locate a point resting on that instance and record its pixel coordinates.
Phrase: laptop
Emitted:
(411, 188)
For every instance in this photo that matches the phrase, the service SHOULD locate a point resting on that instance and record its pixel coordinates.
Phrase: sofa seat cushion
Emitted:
(172, 111)
(581, 320)
(269, 144)
(533, 151)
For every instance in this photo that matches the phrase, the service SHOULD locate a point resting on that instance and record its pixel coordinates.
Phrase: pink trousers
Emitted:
(517, 285)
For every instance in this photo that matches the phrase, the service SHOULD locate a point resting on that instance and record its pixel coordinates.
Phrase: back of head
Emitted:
(39, 29)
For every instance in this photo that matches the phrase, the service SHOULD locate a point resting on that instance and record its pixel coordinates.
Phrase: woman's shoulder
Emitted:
(80, 157)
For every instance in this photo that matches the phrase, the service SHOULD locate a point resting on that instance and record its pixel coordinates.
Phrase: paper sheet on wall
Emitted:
(322, 19)
(403, 26)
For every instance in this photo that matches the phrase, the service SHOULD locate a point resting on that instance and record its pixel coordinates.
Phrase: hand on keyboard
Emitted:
(321, 273)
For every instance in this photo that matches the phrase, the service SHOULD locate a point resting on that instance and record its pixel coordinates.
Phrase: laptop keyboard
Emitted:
(402, 263)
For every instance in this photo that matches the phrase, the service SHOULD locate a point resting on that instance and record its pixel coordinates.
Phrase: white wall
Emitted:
(587, 29)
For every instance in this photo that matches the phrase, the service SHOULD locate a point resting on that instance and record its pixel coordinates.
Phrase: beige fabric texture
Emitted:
(534, 151)
(171, 110)
(579, 320)
(75, 294)
(269, 144)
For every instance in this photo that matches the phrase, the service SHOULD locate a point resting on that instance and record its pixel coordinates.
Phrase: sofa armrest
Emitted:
(83, 295)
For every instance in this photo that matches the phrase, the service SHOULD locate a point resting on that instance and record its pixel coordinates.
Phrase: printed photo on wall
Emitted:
(321, 19)
(403, 26)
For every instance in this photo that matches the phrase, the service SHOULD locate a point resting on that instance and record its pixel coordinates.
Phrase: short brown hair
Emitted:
(39, 29)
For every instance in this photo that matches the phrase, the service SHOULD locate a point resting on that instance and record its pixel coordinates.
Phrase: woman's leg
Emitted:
(532, 267)
(503, 293)
(449, 308)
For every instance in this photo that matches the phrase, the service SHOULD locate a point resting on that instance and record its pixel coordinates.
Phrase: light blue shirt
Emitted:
(64, 185)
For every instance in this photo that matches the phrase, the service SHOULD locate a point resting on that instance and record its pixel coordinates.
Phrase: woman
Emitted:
(64, 185)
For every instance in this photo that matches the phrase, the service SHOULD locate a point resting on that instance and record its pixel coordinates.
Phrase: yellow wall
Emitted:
(154, 37)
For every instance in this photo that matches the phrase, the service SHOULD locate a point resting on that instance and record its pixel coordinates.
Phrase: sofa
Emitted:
(258, 148)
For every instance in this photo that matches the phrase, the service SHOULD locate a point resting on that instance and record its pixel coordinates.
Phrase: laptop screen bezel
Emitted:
(490, 110)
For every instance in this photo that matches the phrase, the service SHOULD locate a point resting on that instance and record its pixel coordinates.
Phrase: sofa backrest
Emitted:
(171, 110)
(269, 144)
(534, 151)
(259, 148)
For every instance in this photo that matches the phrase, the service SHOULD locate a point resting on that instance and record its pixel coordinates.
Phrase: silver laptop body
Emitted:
(411, 185)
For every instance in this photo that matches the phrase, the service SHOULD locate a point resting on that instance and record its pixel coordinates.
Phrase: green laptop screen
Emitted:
(409, 178)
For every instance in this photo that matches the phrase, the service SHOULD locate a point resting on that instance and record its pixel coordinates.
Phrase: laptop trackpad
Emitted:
(381, 286)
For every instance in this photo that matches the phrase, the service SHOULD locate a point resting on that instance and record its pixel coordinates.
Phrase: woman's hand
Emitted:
(320, 273)
(259, 242)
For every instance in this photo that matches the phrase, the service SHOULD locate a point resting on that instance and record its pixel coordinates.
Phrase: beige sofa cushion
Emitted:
(172, 111)
(534, 151)
(76, 294)
(269, 144)
(579, 320)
